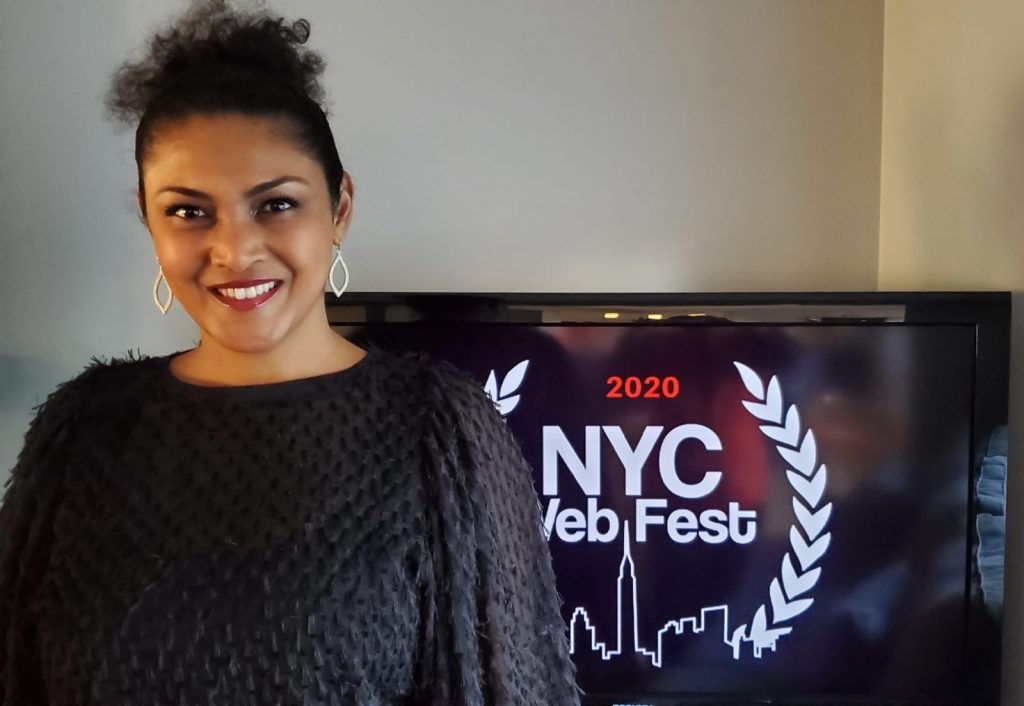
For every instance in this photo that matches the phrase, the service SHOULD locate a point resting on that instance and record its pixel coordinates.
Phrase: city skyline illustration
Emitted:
(626, 639)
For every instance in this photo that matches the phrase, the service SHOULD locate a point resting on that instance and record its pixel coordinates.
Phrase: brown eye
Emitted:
(179, 209)
(280, 205)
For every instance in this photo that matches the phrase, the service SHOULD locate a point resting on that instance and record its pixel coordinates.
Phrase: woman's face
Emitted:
(232, 200)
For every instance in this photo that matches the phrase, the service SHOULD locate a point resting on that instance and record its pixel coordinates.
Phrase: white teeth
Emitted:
(247, 292)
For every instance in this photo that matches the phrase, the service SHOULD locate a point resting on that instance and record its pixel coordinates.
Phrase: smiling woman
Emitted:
(275, 516)
(233, 150)
(233, 207)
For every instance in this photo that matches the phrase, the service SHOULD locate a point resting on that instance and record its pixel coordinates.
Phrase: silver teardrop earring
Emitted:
(156, 292)
(330, 278)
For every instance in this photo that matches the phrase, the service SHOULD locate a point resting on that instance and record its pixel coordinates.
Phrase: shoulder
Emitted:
(448, 394)
(53, 420)
(100, 380)
(429, 377)
(452, 387)
(114, 373)
(464, 412)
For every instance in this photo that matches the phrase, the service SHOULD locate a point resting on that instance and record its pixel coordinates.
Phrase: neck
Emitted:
(313, 348)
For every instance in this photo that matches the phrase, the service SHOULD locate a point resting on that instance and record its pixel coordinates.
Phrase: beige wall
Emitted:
(952, 194)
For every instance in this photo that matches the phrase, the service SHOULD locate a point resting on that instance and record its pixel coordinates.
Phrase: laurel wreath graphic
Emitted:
(504, 397)
(808, 543)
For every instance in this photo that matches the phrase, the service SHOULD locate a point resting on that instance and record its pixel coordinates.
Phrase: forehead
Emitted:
(226, 147)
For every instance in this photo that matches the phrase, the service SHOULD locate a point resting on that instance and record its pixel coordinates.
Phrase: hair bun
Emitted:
(210, 44)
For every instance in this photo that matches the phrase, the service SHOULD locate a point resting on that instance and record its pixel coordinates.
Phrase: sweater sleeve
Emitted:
(496, 634)
(32, 493)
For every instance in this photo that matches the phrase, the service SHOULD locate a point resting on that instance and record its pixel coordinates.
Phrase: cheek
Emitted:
(310, 256)
(308, 269)
(178, 261)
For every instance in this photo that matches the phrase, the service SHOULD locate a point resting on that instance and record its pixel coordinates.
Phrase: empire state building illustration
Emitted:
(711, 621)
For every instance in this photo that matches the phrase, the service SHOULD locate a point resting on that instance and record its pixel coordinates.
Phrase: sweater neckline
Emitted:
(300, 388)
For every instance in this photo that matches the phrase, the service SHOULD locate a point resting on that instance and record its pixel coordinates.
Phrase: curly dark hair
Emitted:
(215, 59)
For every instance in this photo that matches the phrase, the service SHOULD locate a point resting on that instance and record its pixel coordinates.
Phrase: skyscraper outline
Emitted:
(695, 625)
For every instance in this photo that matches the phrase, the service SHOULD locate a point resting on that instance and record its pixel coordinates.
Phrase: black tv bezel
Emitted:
(989, 312)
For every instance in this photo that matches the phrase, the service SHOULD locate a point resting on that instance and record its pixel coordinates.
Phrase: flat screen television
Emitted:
(751, 498)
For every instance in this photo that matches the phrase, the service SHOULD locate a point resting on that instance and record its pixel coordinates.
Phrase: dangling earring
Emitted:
(156, 292)
(330, 278)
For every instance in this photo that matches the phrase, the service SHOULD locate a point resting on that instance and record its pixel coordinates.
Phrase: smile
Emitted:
(246, 298)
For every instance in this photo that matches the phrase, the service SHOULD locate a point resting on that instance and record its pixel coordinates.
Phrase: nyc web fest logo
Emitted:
(789, 593)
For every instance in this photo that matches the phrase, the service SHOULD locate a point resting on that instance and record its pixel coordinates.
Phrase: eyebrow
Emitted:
(258, 189)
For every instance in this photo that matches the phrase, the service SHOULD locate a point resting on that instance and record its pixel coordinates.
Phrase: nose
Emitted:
(235, 243)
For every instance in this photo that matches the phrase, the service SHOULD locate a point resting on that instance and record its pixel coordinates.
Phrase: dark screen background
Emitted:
(890, 408)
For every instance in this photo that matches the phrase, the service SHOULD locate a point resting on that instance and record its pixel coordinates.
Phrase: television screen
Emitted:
(745, 509)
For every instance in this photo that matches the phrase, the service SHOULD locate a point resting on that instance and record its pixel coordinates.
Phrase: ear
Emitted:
(343, 217)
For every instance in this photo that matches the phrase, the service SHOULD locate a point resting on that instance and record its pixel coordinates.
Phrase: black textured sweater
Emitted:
(370, 536)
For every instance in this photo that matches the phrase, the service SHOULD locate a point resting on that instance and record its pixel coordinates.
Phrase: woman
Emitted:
(275, 516)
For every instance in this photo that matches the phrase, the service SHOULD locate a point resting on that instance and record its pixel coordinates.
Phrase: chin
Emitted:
(247, 344)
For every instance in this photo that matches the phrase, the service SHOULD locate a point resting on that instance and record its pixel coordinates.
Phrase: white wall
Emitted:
(506, 146)
(952, 197)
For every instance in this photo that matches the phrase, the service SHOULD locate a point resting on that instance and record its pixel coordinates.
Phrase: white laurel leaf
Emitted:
(773, 400)
(811, 489)
(760, 622)
(514, 378)
(797, 584)
(812, 522)
(507, 404)
(764, 412)
(788, 434)
(758, 410)
(782, 610)
(804, 459)
(771, 409)
(491, 386)
(808, 554)
(751, 380)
